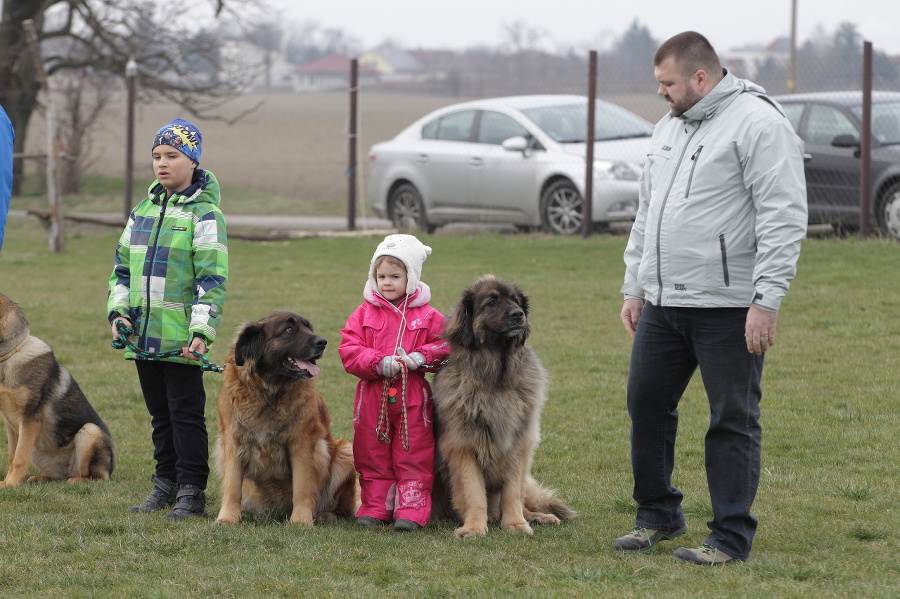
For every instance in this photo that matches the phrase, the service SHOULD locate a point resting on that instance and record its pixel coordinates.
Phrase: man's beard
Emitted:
(686, 103)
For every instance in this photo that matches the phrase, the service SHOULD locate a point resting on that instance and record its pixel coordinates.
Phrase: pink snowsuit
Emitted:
(395, 483)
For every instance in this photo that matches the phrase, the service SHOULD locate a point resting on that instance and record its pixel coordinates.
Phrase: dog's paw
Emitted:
(541, 518)
(227, 520)
(467, 532)
(38, 479)
(326, 517)
(518, 527)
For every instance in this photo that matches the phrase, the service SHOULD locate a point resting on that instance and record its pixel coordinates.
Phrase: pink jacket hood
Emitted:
(419, 297)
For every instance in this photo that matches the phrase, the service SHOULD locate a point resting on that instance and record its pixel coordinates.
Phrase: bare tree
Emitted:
(520, 38)
(179, 59)
(84, 97)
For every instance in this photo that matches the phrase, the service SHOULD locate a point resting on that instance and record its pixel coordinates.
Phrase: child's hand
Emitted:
(412, 360)
(198, 345)
(388, 367)
(115, 328)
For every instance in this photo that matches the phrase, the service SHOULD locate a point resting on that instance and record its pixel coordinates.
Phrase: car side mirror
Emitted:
(515, 144)
(845, 140)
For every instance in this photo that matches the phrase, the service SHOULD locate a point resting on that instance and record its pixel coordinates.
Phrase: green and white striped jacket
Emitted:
(171, 267)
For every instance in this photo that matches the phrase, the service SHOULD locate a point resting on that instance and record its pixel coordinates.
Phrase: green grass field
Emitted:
(828, 501)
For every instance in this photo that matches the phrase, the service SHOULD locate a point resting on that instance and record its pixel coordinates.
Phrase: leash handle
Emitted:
(122, 342)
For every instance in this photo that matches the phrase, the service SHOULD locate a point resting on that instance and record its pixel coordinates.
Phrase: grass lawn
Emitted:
(828, 501)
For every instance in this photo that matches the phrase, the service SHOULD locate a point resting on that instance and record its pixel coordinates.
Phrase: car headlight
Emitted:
(623, 171)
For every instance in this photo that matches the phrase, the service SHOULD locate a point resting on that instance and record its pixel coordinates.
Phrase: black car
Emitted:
(830, 124)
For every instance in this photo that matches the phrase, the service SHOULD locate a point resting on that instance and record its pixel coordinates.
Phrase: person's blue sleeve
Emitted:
(7, 137)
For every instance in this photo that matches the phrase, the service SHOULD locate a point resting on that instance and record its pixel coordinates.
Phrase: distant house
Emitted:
(331, 72)
(747, 61)
(240, 58)
(393, 65)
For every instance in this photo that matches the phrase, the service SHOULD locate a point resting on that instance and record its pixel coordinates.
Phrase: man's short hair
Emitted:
(692, 52)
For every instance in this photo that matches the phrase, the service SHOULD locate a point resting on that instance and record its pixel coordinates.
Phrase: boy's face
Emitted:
(173, 169)
(391, 280)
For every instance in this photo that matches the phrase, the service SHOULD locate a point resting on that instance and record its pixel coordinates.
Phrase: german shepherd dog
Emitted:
(487, 405)
(49, 422)
(275, 450)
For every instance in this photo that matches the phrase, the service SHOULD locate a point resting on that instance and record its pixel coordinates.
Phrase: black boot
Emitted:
(161, 497)
(190, 503)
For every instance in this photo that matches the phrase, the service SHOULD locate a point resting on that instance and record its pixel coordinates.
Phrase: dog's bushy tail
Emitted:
(539, 498)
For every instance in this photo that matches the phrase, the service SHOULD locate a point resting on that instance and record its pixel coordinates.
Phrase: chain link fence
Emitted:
(295, 146)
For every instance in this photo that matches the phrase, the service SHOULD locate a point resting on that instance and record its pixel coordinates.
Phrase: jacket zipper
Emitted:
(724, 259)
(662, 210)
(694, 157)
(155, 246)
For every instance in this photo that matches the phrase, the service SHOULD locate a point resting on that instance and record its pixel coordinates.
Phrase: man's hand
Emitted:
(631, 313)
(760, 329)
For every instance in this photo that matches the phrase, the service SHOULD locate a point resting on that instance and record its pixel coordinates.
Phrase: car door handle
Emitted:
(476, 161)
(422, 158)
(807, 157)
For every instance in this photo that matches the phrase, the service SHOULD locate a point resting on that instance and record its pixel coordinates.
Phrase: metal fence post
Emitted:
(865, 145)
(587, 224)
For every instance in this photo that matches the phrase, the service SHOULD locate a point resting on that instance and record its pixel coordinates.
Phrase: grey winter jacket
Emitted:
(722, 205)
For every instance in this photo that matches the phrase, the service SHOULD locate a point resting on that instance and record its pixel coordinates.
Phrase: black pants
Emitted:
(669, 345)
(176, 401)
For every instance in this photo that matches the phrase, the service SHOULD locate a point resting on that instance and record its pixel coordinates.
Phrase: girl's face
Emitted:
(173, 169)
(391, 280)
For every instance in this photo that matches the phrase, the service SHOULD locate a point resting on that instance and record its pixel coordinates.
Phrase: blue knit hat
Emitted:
(182, 136)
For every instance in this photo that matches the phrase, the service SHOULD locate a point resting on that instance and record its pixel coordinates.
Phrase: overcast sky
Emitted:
(585, 24)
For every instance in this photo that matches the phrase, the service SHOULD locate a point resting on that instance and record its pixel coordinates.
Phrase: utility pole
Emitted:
(792, 75)
(131, 71)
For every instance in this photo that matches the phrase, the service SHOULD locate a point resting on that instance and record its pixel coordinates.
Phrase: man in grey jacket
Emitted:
(712, 252)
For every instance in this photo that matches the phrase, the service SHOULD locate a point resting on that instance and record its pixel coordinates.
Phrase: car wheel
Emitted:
(562, 209)
(408, 210)
(890, 211)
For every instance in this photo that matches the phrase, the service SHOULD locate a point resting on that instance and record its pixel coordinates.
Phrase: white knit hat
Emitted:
(408, 250)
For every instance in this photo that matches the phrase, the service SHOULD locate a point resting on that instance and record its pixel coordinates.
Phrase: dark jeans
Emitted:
(176, 401)
(669, 345)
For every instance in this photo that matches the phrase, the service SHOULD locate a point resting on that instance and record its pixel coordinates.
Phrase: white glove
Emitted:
(412, 360)
(388, 367)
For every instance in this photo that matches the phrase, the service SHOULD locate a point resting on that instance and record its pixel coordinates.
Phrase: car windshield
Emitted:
(566, 123)
(885, 121)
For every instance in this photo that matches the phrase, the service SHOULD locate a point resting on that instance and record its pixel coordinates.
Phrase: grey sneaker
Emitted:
(370, 521)
(161, 497)
(189, 503)
(704, 555)
(644, 540)
(404, 525)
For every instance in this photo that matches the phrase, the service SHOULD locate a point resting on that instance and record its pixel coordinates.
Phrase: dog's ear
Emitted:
(249, 345)
(460, 328)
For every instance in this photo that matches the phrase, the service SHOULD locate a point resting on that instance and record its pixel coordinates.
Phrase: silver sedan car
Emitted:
(517, 160)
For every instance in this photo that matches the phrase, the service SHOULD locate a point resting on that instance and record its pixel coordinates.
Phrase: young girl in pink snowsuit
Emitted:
(390, 342)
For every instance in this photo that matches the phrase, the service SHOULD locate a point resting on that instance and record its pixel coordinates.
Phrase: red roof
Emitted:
(333, 63)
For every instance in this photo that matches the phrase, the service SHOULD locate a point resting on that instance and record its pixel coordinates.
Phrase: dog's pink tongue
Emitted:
(308, 366)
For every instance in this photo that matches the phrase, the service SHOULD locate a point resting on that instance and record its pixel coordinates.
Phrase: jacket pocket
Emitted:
(695, 157)
(724, 251)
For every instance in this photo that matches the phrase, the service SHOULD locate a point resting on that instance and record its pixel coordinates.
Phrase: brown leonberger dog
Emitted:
(275, 450)
(49, 421)
(487, 404)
